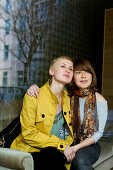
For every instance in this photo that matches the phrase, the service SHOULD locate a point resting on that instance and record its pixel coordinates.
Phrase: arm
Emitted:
(33, 90)
(86, 142)
(34, 132)
(102, 112)
(36, 137)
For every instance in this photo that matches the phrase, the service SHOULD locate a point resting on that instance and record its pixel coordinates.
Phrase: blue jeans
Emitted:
(85, 157)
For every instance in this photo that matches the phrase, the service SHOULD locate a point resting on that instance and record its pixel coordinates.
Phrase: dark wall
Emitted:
(78, 31)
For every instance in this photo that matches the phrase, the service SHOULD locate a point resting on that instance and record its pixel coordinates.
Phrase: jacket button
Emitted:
(70, 124)
(69, 112)
(43, 115)
(65, 113)
(61, 146)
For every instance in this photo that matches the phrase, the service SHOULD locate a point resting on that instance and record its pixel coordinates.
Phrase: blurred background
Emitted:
(34, 32)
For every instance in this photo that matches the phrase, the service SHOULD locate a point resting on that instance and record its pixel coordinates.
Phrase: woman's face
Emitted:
(62, 71)
(82, 79)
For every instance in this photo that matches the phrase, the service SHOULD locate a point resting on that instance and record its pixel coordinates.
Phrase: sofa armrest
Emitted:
(105, 160)
(15, 159)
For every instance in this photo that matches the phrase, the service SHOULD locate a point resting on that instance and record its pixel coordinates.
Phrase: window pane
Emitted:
(20, 78)
(5, 77)
(22, 4)
(7, 26)
(8, 6)
(6, 52)
(43, 11)
(22, 23)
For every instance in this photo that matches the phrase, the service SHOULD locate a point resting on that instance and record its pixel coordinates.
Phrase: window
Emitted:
(6, 52)
(19, 50)
(42, 45)
(22, 4)
(5, 78)
(22, 23)
(7, 26)
(43, 14)
(20, 53)
(20, 76)
(8, 6)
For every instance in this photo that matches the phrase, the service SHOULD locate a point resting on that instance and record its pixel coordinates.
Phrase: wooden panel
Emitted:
(107, 77)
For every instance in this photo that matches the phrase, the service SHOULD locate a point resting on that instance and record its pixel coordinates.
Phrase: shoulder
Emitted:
(99, 97)
(29, 99)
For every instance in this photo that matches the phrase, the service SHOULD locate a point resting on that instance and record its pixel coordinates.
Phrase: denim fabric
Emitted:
(85, 157)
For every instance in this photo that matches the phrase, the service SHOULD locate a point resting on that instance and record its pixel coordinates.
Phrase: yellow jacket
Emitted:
(37, 117)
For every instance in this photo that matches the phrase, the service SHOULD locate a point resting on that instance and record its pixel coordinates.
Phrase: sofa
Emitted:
(105, 161)
(16, 160)
(19, 160)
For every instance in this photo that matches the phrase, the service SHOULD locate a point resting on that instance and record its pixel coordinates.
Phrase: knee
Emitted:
(79, 162)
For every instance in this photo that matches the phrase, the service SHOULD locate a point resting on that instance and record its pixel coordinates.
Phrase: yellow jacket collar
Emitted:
(52, 96)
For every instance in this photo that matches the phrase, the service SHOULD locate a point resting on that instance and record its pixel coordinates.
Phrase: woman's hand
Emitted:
(33, 91)
(69, 153)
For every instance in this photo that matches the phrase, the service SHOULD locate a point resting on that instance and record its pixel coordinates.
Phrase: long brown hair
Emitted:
(81, 64)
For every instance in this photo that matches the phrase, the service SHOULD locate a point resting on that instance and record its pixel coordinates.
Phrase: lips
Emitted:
(83, 81)
(66, 75)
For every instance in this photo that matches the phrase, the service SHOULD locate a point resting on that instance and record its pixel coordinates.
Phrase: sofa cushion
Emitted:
(106, 144)
(108, 131)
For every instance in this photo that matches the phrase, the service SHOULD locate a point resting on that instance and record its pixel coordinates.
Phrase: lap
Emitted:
(50, 158)
(90, 153)
(86, 156)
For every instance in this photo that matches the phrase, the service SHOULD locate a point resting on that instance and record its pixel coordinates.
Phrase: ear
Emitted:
(51, 72)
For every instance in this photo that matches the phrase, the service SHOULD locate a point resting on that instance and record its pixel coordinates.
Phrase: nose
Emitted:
(67, 70)
(83, 74)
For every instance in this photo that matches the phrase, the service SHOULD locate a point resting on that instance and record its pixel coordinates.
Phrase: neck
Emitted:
(56, 88)
(82, 92)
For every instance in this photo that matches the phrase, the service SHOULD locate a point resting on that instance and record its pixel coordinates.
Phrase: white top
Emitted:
(101, 111)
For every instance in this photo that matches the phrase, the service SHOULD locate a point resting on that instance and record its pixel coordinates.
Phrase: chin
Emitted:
(66, 82)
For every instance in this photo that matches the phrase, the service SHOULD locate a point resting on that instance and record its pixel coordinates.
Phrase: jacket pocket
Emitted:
(41, 120)
(41, 117)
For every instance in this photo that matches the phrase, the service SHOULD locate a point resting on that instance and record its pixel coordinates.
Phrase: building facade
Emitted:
(17, 63)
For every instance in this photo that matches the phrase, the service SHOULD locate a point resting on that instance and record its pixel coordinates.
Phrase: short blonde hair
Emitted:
(61, 57)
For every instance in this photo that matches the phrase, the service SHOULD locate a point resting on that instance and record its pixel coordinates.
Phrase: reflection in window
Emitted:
(6, 52)
(20, 76)
(22, 4)
(21, 48)
(43, 14)
(8, 6)
(7, 26)
(20, 53)
(22, 23)
(42, 45)
(5, 78)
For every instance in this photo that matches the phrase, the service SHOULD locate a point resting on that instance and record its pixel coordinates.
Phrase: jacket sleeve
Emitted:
(30, 134)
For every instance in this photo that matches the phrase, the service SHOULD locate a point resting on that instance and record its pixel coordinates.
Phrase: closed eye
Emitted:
(62, 65)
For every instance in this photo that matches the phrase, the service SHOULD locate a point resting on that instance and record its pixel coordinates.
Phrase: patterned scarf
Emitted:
(88, 128)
